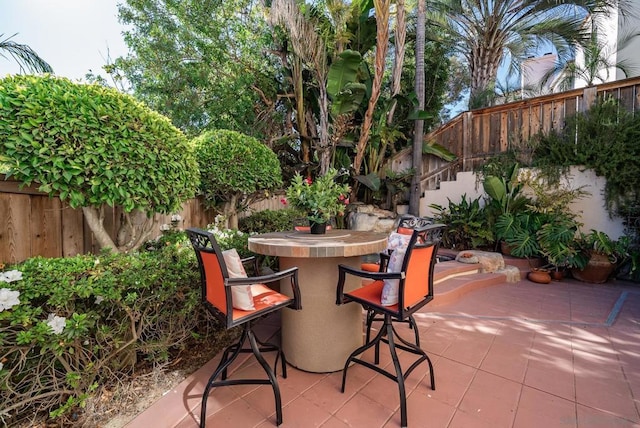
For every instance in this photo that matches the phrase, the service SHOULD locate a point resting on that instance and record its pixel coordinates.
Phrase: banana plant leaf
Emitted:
(343, 70)
(439, 151)
(372, 181)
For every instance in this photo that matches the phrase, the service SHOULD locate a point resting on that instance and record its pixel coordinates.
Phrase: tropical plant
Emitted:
(320, 199)
(94, 146)
(519, 231)
(593, 64)
(27, 58)
(505, 191)
(556, 239)
(233, 168)
(487, 33)
(467, 225)
(599, 243)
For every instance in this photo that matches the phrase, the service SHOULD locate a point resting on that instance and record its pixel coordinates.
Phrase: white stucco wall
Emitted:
(591, 209)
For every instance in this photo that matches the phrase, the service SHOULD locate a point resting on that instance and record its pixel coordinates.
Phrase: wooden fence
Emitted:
(34, 224)
(476, 135)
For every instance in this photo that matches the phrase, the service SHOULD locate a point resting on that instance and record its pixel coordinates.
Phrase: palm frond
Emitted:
(27, 58)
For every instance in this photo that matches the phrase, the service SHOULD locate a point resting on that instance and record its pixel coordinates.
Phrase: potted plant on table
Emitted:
(320, 199)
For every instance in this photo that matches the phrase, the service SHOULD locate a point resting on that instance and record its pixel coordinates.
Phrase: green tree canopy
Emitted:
(95, 146)
(202, 63)
(233, 167)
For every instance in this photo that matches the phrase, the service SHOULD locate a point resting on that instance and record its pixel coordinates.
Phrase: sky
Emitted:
(73, 36)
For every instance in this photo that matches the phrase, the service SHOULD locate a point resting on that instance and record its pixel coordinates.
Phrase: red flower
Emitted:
(283, 201)
(308, 181)
(341, 198)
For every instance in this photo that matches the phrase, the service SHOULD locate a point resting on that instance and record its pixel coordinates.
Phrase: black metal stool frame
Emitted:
(221, 307)
(415, 291)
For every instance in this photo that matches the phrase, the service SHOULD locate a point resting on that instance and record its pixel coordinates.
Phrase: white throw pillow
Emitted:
(390, 290)
(397, 240)
(240, 295)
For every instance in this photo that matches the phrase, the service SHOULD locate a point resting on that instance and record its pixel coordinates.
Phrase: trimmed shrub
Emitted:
(71, 325)
(92, 145)
(233, 166)
(270, 221)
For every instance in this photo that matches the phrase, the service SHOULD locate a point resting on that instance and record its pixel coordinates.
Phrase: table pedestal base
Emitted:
(321, 337)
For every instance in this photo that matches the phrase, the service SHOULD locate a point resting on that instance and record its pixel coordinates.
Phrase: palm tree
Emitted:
(598, 60)
(382, 11)
(27, 58)
(487, 32)
(414, 193)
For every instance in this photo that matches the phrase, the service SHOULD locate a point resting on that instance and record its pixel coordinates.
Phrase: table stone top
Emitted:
(335, 243)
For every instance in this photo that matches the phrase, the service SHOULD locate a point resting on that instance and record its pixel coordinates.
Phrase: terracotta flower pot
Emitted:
(539, 276)
(597, 270)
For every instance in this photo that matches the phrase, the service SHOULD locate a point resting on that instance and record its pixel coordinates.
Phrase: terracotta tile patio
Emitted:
(565, 354)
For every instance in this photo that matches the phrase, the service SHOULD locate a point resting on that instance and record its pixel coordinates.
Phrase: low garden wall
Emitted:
(591, 209)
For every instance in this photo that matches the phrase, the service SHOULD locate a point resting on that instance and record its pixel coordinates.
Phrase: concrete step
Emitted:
(452, 288)
(451, 269)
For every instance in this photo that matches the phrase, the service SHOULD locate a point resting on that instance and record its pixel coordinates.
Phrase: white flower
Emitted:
(99, 299)
(10, 276)
(96, 262)
(8, 298)
(165, 227)
(56, 323)
(176, 218)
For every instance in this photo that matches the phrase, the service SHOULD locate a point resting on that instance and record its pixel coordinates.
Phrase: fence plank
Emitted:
(46, 227)
(72, 231)
(15, 227)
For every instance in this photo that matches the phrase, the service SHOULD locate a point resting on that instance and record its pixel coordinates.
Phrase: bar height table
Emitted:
(320, 337)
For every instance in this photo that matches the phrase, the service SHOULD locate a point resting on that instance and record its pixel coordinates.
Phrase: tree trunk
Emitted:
(484, 71)
(414, 195)
(231, 212)
(382, 8)
(398, 60)
(94, 217)
(324, 145)
(135, 229)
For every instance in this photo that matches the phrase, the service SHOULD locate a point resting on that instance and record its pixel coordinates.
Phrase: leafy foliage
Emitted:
(269, 221)
(92, 145)
(320, 199)
(605, 139)
(200, 62)
(466, 222)
(233, 165)
(519, 231)
(82, 322)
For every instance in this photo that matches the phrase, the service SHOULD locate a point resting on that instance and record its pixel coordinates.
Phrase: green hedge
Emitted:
(83, 322)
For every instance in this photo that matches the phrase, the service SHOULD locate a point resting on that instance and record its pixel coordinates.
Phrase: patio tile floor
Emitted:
(565, 354)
